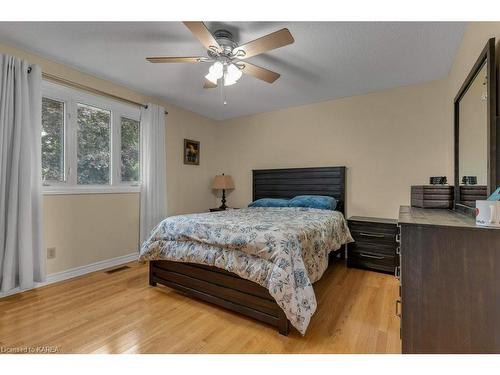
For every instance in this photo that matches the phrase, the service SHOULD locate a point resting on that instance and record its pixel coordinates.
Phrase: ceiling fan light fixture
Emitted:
(211, 78)
(215, 72)
(232, 75)
(228, 82)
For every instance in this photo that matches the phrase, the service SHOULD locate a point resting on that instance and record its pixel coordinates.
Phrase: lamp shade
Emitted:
(223, 182)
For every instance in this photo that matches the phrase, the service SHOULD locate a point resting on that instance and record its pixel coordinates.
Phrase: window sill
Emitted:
(75, 190)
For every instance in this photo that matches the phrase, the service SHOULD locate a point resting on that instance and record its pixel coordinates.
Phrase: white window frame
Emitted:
(71, 97)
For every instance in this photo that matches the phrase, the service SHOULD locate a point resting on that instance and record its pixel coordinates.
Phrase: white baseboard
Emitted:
(97, 266)
(78, 271)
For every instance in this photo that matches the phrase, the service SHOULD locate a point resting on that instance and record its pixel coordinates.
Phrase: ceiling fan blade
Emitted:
(192, 59)
(209, 85)
(266, 43)
(201, 32)
(259, 72)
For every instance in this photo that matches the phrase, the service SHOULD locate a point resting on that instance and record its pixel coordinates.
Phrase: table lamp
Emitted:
(223, 182)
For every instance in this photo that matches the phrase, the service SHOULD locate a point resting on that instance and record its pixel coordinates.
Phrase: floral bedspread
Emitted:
(282, 249)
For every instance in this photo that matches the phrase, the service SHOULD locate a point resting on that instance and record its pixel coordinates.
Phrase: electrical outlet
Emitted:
(51, 252)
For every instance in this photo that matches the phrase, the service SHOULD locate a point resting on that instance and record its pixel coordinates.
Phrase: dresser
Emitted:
(375, 243)
(449, 283)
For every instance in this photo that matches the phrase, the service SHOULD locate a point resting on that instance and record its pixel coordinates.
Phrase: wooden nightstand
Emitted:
(220, 209)
(376, 243)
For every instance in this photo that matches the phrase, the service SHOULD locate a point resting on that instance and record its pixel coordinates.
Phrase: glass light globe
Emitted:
(233, 74)
(215, 72)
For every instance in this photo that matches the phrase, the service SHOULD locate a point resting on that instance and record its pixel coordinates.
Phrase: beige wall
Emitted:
(388, 140)
(88, 228)
(188, 186)
(94, 227)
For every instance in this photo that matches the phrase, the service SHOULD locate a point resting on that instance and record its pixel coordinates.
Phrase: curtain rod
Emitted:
(65, 82)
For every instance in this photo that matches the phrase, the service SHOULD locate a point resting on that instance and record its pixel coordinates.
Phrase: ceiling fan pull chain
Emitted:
(222, 92)
(223, 83)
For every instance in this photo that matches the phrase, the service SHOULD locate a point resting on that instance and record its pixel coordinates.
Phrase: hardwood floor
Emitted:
(121, 313)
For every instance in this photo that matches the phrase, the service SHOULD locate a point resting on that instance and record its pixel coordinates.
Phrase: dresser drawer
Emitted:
(365, 259)
(373, 248)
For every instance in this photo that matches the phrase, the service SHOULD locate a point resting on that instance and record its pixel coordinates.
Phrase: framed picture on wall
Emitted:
(191, 152)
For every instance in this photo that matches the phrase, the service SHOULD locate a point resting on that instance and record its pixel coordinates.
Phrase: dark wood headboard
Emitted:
(290, 182)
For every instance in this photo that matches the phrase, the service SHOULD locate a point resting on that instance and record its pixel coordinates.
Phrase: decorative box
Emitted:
(432, 196)
(469, 194)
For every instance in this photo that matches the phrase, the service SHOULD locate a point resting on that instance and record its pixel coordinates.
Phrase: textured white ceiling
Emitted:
(328, 59)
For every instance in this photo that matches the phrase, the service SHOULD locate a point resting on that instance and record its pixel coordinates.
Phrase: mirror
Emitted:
(473, 141)
(475, 133)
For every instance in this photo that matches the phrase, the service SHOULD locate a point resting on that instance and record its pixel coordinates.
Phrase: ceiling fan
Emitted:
(227, 57)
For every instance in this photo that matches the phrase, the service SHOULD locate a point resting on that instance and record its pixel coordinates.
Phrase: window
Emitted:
(89, 144)
(94, 145)
(52, 140)
(129, 150)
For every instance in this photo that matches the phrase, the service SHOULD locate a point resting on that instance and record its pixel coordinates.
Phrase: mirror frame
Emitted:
(493, 162)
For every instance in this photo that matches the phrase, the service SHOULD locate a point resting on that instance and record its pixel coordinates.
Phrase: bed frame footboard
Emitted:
(223, 288)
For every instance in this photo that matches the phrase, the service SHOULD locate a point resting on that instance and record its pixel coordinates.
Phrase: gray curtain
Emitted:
(21, 256)
(153, 169)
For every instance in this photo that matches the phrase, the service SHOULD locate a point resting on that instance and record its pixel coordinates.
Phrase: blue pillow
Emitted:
(269, 202)
(313, 201)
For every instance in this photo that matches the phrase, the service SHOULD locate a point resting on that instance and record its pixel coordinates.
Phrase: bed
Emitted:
(258, 262)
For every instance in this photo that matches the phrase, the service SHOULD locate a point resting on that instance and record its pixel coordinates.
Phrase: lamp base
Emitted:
(223, 205)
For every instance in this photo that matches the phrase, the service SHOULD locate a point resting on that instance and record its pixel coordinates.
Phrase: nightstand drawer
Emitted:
(373, 228)
(365, 259)
(376, 237)
(375, 243)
